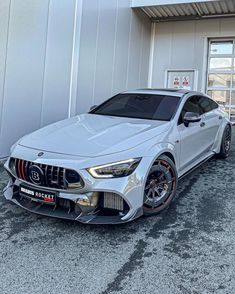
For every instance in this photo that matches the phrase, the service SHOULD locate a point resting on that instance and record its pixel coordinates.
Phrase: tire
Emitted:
(161, 186)
(225, 143)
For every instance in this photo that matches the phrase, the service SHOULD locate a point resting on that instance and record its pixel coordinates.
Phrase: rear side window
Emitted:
(214, 105)
(207, 104)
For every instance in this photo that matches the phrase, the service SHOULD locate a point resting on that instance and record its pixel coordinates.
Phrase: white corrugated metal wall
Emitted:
(36, 39)
(182, 31)
(183, 45)
(114, 52)
(36, 55)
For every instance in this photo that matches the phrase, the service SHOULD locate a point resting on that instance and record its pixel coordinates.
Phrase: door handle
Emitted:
(202, 124)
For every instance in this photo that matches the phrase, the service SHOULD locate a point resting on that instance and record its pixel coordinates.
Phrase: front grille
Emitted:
(51, 176)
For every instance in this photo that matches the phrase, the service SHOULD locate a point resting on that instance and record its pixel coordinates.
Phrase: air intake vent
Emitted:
(113, 201)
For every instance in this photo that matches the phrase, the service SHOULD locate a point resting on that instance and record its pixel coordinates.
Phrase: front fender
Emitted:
(164, 148)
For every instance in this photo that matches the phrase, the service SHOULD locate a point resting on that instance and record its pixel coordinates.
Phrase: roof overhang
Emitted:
(172, 10)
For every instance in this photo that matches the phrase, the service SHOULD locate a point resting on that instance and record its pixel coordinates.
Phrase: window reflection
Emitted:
(219, 80)
(221, 64)
(221, 47)
(232, 114)
(221, 74)
(222, 97)
(233, 98)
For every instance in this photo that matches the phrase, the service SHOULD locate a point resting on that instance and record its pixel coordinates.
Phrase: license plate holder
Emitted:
(38, 195)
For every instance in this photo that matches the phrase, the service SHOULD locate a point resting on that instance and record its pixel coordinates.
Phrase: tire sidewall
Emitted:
(161, 207)
(223, 152)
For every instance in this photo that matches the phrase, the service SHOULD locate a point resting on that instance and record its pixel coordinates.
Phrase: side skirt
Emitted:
(196, 166)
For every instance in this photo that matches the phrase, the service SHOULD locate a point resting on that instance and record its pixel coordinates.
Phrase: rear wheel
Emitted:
(226, 143)
(161, 185)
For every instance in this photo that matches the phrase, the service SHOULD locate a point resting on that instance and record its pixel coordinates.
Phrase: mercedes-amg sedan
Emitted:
(121, 160)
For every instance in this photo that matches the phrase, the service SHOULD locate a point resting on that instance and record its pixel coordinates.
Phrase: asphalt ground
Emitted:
(189, 248)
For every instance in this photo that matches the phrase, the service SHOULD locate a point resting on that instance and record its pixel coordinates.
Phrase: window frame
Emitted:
(229, 107)
(180, 118)
(210, 103)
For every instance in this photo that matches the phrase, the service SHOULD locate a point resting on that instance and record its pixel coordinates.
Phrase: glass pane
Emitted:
(222, 97)
(220, 64)
(233, 98)
(226, 109)
(219, 80)
(221, 47)
(232, 114)
(233, 81)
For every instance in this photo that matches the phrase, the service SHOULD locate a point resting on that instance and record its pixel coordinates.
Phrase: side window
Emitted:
(205, 104)
(214, 105)
(191, 105)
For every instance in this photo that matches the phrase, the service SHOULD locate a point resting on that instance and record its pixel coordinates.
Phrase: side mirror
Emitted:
(93, 107)
(191, 117)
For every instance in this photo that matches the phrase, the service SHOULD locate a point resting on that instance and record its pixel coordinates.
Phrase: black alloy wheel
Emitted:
(226, 142)
(161, 185)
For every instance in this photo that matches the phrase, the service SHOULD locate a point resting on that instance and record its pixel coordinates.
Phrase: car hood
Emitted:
(90, 135)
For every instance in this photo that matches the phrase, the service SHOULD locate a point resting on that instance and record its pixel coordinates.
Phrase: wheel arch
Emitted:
(174, 182)
(220, 133)
(168, 154)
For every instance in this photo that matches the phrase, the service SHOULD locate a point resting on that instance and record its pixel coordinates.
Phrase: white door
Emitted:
(194, 138)
(212, 120)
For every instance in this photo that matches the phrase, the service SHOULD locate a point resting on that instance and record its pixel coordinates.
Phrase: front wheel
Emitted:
(225, 143)
(161, 185)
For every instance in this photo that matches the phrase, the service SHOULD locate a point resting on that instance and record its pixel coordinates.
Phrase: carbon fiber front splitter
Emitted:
(65, 213)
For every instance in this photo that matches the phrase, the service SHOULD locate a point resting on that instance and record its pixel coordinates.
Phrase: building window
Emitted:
(221, 74)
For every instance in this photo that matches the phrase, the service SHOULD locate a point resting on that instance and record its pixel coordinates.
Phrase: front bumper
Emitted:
(79, 205)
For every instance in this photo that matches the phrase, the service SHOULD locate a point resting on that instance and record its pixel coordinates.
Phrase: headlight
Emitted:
(115, 170)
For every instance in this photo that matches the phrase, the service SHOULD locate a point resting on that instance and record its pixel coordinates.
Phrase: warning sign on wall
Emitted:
(181, 79)
(186, 83)
(176, 82)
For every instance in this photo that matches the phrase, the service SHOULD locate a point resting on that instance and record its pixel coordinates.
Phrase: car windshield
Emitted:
(143, 106)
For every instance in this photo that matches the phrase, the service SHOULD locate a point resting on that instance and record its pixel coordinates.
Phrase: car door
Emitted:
(212, 119)
(193, 138)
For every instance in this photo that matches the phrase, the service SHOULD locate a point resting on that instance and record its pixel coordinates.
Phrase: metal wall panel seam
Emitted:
(114, 52)
(204, 64)
(194, 46)
(45, 59)
(151, 54)
(75, 58)
(96, 52)
(5, 66)
(129, 48)
(171, 42)
(141, 52)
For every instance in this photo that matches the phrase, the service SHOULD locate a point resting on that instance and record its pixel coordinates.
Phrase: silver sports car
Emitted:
(121, 160)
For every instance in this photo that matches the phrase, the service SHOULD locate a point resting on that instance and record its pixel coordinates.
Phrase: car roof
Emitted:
(172, 92)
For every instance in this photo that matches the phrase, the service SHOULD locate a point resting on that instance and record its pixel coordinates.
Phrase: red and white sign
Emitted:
(186, 82)
(176, 82)
(180, 79)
